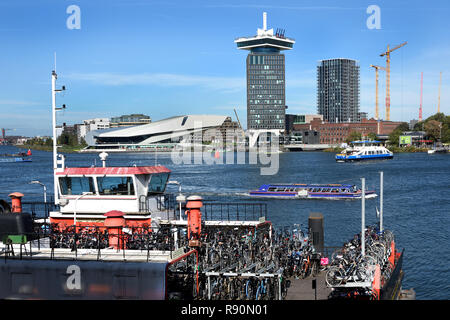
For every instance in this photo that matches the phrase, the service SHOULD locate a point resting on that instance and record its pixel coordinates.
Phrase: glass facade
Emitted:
(338, 90)
(266, 89)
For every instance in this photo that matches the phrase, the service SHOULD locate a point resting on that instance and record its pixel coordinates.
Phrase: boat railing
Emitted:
(53, 241)
(229, 211)
(164, 203)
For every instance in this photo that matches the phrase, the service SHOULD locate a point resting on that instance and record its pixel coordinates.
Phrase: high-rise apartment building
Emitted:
(266, 83)
(338, 90)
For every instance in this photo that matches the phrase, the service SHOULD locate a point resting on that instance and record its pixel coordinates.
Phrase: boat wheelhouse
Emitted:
(85, 194)
(311, 191)
(364, 150)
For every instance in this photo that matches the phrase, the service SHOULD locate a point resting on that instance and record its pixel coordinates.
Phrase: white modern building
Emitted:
(168, 132)
(92, 125)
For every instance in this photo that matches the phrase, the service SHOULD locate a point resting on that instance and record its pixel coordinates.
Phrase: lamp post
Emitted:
(75, 207)
(45, 188)
(180, 198)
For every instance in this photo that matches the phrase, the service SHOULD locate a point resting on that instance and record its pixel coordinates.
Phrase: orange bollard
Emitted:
(115, 222)
(16, 200)
(194, 203)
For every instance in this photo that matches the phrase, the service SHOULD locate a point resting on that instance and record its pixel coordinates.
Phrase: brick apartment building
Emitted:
(336, 133)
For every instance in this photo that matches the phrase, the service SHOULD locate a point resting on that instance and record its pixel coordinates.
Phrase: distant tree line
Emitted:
(436, 127)
(65, 139)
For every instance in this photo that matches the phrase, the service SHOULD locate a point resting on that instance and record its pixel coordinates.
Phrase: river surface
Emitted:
(416, 198)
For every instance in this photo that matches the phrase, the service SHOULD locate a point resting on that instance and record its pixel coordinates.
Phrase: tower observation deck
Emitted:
(266, 102)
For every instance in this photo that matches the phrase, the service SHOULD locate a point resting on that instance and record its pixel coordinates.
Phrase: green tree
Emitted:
(445, 129)
(67, 139)
(353, 136)
(433, 129)
(395, 135)
(372, 136)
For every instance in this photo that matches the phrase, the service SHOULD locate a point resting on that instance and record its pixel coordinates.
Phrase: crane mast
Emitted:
(376, 89)
(388, 77)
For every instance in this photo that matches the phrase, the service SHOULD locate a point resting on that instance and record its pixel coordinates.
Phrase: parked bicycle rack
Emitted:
(245, 275)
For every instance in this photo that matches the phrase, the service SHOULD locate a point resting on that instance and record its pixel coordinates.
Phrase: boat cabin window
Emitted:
(158, 183)
(122, 186)
(76, 185)
(271, 189)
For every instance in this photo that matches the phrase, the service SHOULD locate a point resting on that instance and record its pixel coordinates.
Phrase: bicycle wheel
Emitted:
(249, 290)
(334, 276)
(214, 257)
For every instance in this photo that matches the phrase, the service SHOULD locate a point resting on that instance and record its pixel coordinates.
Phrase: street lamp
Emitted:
(180, 198)
(45, 188)
(75, 207)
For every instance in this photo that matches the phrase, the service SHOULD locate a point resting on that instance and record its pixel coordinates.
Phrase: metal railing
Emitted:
(39, 209)
(229, 211)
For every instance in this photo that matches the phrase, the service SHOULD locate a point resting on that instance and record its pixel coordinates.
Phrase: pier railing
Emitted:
(39, 209)
(229, 211)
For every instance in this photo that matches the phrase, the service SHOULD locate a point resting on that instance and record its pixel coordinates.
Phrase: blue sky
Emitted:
(165, 58)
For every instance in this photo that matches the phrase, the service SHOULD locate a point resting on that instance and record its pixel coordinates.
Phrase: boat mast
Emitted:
(55, 186)
(55, 146)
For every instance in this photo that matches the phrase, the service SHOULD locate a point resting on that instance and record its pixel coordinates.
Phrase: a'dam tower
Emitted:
(266, 83)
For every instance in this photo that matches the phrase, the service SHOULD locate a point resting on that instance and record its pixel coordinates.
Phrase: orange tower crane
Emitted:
(376, 88)
(388, 76)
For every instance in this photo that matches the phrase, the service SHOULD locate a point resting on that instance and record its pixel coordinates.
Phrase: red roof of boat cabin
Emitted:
(113, 170)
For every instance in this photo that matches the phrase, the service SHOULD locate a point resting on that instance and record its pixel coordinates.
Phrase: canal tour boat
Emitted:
(364, 150)
(311, 191)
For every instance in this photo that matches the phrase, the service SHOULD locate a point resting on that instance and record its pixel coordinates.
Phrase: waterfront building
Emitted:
(337, 133)
(225, 134)
(292, 119)
(266, 85)
(129, 120)
(338, 90)
(91, 125)
(362, 115)
(168, 132)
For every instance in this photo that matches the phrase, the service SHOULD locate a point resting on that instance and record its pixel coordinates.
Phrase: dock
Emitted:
(302, 289)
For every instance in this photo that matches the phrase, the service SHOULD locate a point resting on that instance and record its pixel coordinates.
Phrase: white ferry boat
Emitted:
(364, 150)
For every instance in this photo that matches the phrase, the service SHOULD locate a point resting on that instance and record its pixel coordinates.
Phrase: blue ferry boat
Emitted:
(364, 150)
(311, 191)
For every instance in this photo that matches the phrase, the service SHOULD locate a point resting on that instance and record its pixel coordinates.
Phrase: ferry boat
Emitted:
(311, 191)
(364, 150)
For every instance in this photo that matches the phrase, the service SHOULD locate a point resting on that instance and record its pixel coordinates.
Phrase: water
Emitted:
(416, 198)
